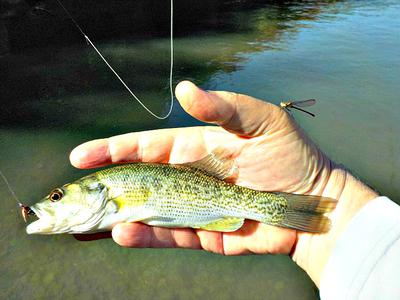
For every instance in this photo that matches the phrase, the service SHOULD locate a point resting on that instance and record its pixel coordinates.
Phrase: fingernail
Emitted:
(186, 88)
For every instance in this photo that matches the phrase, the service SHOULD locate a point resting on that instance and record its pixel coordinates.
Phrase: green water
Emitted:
(56, 95)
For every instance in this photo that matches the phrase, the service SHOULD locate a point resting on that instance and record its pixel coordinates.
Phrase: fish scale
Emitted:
(186, 193)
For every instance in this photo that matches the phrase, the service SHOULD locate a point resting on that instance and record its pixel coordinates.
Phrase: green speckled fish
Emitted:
(186, 195)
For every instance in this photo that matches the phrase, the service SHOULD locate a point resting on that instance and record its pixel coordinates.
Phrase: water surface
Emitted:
(55, 95)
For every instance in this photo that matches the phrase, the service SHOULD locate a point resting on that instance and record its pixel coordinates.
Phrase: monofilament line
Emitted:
(10, 189)
(119, 77)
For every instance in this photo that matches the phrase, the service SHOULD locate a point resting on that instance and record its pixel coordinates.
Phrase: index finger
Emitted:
(163, 145)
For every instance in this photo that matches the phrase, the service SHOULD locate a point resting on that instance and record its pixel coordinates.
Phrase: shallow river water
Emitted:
(55, 96)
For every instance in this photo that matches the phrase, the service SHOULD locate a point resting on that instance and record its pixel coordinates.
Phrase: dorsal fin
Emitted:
(215, 164)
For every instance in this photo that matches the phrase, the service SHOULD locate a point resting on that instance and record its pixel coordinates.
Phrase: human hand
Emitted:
(271, 152)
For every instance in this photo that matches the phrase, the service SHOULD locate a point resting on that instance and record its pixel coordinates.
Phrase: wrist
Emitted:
(312, 251)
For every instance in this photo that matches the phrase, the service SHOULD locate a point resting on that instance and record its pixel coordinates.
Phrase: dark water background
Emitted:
(55, 93)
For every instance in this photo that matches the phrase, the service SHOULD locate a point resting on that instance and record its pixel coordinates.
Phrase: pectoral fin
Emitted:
(225, 225)
(215, 164)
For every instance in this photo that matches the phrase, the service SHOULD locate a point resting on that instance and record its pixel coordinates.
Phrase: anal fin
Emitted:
(227, 224)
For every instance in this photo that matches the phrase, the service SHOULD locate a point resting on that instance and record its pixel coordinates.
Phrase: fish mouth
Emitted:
(26, 211)
(42, 224)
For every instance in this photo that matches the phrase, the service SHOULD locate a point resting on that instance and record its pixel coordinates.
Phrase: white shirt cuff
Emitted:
(365, 263)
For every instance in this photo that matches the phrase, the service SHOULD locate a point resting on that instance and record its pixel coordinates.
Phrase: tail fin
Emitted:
(306, 213)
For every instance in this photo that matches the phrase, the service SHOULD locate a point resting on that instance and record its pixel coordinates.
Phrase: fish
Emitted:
(193, 195)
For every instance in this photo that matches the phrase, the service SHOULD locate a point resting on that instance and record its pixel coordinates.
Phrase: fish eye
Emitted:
(56, 195)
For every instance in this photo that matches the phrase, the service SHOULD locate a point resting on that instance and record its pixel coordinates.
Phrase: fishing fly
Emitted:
(298, 104)
(90, 43)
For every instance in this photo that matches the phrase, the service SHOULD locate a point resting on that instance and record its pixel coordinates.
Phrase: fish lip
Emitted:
(33, 211)
(26, 211)
(39, 226)
(40, 214)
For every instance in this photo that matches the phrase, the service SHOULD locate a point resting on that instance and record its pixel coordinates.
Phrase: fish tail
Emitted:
(307, 213)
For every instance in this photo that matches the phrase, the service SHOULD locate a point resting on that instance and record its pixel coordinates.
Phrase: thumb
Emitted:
(237, 113)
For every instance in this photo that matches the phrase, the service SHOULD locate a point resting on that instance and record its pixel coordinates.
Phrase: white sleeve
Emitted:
(365, 263)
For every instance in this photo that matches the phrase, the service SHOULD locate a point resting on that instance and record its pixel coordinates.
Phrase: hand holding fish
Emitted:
(271, 153)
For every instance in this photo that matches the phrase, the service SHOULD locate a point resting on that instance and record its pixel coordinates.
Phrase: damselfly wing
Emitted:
(297, 104)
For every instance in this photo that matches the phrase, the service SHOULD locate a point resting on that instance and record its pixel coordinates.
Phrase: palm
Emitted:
(270, 162)
(270, 156)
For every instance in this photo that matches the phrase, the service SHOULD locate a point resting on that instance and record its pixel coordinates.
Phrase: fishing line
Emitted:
(10, 189)
(89, 42)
